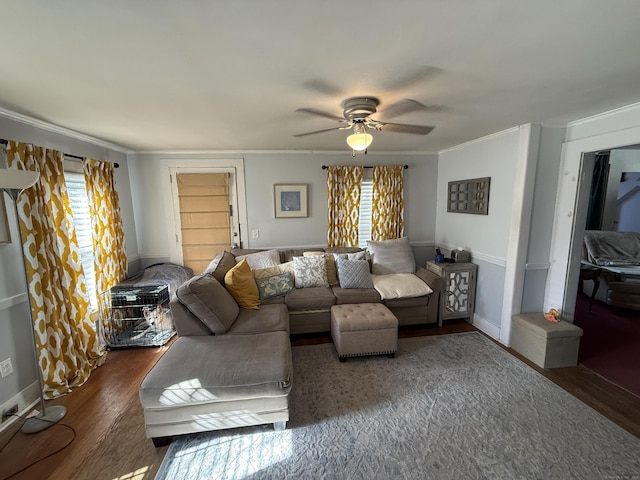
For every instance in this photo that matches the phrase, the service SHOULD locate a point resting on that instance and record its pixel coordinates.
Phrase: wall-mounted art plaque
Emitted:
(469, 196)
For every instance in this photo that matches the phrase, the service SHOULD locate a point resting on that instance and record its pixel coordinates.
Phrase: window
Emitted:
(77, 192)
(366, 207)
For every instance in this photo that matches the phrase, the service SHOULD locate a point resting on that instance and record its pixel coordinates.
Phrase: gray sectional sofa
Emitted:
(310, 308)
(249, 343)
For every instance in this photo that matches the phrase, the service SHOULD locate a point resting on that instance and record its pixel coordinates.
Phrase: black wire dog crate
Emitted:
(137, 316)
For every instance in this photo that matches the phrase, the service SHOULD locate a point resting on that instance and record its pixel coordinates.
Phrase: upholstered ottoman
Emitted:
(216, 382)
(363, 329)
(547, 344)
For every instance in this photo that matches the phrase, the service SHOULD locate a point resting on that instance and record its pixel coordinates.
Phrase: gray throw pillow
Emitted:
(354, 273)
(220, 265)
(275, 285)
(210, 302)
(310, 272)
(391, 256)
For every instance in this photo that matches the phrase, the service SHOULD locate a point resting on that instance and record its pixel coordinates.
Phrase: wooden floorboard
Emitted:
(107, 418)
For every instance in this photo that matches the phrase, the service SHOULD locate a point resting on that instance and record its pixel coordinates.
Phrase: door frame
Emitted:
(174, 166)
(568, 230)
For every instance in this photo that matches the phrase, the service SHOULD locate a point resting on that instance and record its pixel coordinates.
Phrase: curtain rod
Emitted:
(6, 142)
(324, 167)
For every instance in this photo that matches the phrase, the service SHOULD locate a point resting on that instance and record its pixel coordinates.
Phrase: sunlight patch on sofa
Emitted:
(189, 391)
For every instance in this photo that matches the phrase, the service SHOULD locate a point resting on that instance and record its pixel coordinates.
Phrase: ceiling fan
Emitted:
(357, 113)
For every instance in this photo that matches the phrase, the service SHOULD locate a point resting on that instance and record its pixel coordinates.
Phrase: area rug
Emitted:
(447, 407)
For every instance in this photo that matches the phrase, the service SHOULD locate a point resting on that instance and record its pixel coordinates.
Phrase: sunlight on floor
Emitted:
(139, 474)
(232, 457)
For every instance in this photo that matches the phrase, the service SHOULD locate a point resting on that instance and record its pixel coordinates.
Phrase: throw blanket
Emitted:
(612, 248)
(400, 285)
(160, 274)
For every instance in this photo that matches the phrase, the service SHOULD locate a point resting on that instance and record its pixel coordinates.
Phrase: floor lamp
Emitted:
(14, 182)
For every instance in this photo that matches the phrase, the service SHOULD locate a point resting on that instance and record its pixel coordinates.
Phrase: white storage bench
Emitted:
(547, 344)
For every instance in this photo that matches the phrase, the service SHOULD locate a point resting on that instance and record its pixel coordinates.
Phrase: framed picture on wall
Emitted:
(290, 200)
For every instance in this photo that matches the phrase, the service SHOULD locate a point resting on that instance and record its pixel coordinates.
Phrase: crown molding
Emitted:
(33, 122)
(608, 113)
(501, 133)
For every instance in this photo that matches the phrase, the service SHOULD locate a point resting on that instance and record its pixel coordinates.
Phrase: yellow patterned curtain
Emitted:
(387, 216)
(66, 340)
(344, 205)
(108, 237)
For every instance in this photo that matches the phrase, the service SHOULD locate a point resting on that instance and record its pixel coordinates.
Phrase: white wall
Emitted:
(485, 236)
(546, 184)
(264, 169)
(622, 215)
(15, 338)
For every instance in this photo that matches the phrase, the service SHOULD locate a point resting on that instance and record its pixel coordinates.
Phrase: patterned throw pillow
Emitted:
(354, 273)
(330, 264)
(275, 286)
(310, 272)
(271, 271)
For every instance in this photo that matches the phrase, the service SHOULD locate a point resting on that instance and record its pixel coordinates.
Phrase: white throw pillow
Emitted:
(268, 258)
(391, 256)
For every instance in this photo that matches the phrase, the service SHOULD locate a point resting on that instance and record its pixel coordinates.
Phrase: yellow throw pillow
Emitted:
(242, 286)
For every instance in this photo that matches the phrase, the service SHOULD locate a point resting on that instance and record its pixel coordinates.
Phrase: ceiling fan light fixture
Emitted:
(359, 141)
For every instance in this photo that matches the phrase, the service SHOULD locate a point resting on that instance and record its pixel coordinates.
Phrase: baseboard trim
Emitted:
(25, 399)
(487, 327)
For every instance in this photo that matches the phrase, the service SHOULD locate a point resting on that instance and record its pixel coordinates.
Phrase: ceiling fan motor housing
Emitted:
(359, 108)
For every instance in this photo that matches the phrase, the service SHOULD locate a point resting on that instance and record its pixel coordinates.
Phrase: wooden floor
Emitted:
(109, 433)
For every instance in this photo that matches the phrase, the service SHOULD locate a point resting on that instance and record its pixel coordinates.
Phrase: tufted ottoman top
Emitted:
(362, 316)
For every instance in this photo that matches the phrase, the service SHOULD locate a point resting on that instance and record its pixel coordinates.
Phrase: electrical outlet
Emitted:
(255, 233)
(6, 368)
(9, 412)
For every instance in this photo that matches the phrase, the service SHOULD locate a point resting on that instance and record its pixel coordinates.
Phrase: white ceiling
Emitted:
(229, 74)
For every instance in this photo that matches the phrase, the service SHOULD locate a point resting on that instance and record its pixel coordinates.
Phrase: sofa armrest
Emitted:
(434, 281)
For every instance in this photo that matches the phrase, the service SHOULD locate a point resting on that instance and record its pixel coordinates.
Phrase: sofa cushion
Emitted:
(354, 273)
(275, 285)
(220, 265)
(391, 256)
(209, 301)
(400, 285)
(242, 286)
(310, 272)
(183, 375)
(268, 318)
(356, 295)
(330, 264)
(267, 258)
(312, 298)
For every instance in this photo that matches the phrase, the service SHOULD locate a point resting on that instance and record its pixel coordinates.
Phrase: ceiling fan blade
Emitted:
(423, 73)
(320, 113)
(403, 106)
(322, 86)
(318, 131)
(404, 128)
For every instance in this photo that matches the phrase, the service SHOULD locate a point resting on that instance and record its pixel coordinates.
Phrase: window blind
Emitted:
(366, 207)
(77, 192)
